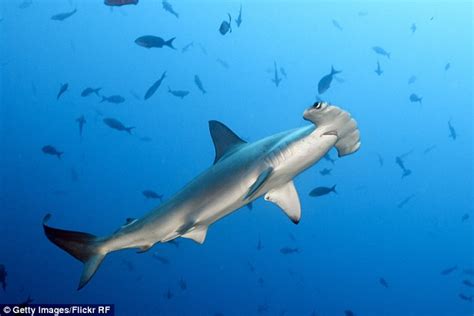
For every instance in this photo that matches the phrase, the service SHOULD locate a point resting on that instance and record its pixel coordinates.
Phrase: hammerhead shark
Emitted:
(241, 173)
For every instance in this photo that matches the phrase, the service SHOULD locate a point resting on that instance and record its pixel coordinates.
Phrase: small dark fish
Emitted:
(452, 131)
(325, 81)
(465, 297)
(50, 150)
(447, 66)
(116, 124)
(328, 157)
(399, 161)
(325, 172)
(260, 281)
(25, 4)
(198, 83)
(63, 16)
(251, 266)
(468, 271)
(225, 26)
(429, 149)
(379, 50)
(380, 158)
(405, 201)
(161, 259)
(283, 72)
(150, 41)
(187, 47)
(81, 121)
(169, 8)
(115, 99)
(413, 28)
(289, 250)
(468, 283)
(149, 194)
(383, 283)
(146, 139)
(88, 91)
(118, 3)
(415, 98)
(336, 25)
(379, 70)
(449, 270)
(182, 284)
(178, 93)
(320, 191)
(276, 80)
(412, 79)
(223, 63)
(259, 245)
(349, 313)
(238, 21)
(465, 217)
(168, 295)
(62, 89)
(154, 86)
(3, 276)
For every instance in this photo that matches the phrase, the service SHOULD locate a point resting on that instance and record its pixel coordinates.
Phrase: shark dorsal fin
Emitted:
(224, 139)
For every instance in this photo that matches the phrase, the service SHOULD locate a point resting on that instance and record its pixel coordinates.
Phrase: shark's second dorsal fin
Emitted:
(224, 139)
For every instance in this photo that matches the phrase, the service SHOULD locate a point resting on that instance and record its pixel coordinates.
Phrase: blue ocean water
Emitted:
(406, 230)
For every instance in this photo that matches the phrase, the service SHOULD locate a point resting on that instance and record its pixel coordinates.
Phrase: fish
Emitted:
(447, 66)
(161, 259)
(149, 194)
(151, 91)
(449, 270)
(169, 8)
(378, 71)
(465, 217)
(429, 149)
(116, 124)
(325, 81)
(399, 161)
(25, 4)
(380, 158)
(336, 25)
(465, 297)
(379, 50)
(413, 28)
(288, 250)
(3, 276)
(452, 131)
(238, 21)
(62, 89)
(182, 284)
(178, 93)
(259, 244)
(146, 139)
(88, 91)
(349, 313)
(260, 281)
(225, 26)
(168, 294)
(468, 283)
(320, 191)
(198, 83)
(328, 157)
(63, 16)
(118, 3)
(151, 41)
(325, 172)
(187, 47)
(412, 79)
(276, 80)
(241, 173)
(223, 63)
(115, 99)
(81, 120)
(51, 150)
(405, 201)
(383, 283)
(415, 98)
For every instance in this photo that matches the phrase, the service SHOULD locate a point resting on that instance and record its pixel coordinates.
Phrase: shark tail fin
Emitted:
(82, 246)
(59, 154)
(170, 42)
(334, 71)
(129, 129)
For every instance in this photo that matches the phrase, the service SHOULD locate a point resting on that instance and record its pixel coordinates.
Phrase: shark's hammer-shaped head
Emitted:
(334, 121)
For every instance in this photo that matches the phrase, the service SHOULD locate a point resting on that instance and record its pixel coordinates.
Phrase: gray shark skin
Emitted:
(241, 173)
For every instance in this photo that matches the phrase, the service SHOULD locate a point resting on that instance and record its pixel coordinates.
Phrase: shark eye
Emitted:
(318, 105)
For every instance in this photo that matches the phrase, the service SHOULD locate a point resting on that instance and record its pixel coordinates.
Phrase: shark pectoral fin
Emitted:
(286, 197)
(224, 139)
(198, 234)
(259, 182)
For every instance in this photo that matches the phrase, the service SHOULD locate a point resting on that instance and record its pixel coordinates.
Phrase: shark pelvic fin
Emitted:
(259, 182)
(198, 234)
(286, 197)
(224, 139)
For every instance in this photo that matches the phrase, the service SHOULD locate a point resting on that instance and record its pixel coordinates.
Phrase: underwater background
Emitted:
(390, 242)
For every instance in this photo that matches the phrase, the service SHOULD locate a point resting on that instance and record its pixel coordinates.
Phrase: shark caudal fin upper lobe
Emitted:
(82, 246)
